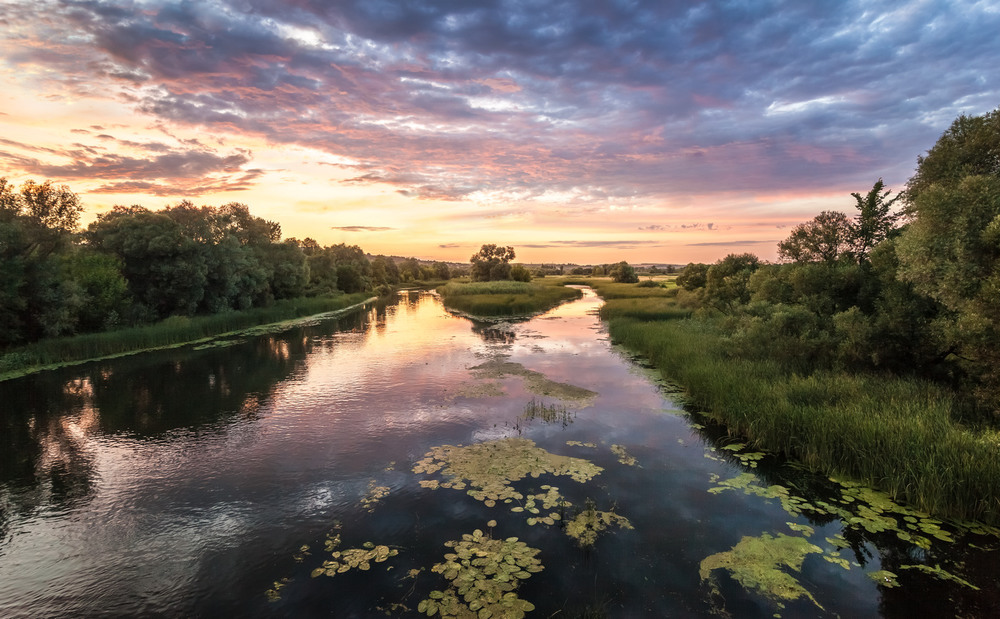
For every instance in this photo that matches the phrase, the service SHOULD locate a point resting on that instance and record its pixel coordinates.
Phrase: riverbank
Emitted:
(506, 298)
(170, 333)
(899, 435)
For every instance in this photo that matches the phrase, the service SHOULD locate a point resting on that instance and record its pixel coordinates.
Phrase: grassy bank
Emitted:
(506, 298)
(898, 435)
(175, 331)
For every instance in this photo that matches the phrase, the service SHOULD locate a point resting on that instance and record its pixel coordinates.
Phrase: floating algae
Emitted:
(623, 455)
(586, 526)
(352, 558)
(488, 469)
(374, 495)
(484, 574)
(535, 382)
(581, 444)
(757, 562)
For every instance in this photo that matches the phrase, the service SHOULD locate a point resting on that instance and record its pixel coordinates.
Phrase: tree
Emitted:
(950, 251)
(520, 273)
(491, 263)
(623, 273)
(874, 222)
(824, 239)
(693, 276)
(726, 282)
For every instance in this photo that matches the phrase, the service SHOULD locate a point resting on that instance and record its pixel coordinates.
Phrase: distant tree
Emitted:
(580, 271)
(598, 271)
(491, 263)
(727, 281)
(409, 269)
(520, 273)
(826, 238)
(385, 271)
(693, 276)
(624, 273)
(441, 270)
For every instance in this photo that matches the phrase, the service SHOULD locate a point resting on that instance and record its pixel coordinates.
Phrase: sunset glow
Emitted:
(575, 131)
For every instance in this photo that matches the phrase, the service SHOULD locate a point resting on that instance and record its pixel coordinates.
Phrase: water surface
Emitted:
(207, 483)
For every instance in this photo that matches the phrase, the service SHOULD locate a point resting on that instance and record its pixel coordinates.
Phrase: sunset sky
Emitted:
(576, 131)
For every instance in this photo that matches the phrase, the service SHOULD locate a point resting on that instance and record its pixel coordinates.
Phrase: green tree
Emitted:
(824, 239)
(520, 273)
(874, 222)
(624, 273)
(491, 263)
(693, 276)
(950, 252)
(727, 281)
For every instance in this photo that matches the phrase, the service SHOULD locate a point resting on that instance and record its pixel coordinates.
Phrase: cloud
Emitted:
(733, 243)
(621, 244)
(643, 100)
(362, 228)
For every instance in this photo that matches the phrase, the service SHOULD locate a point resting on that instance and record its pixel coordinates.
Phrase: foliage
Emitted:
(727, 281)
(693, 276)
(623, 273)
(505, 298)
(491, 263)
(875, 221)
(824, 239)
(520, 273)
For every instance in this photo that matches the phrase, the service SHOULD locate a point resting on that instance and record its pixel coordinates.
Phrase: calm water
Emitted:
(206, 483)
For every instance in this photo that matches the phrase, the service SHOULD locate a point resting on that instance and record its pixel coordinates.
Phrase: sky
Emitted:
(577, 131)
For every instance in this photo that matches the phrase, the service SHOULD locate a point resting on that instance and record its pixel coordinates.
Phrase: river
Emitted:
(347, 468)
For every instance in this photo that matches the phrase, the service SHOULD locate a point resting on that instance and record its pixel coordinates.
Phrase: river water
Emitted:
(306, 473)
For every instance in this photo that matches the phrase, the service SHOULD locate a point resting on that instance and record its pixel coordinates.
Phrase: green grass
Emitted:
(506, 298)
(897, 435)
(174, 331)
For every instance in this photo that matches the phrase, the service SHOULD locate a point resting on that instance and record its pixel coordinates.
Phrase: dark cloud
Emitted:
(362, 228)
(447, 99)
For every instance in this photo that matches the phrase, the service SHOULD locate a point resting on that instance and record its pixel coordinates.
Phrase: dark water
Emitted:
(188, 483)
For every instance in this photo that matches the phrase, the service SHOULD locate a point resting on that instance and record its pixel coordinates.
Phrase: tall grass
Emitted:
(898, 435)
(506, 298)
(173, 331)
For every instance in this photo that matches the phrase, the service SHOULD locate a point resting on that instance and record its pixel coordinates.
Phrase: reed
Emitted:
(174, 331)
(896, 434)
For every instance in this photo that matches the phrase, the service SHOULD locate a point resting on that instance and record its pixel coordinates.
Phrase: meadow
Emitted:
(506, 298)
(900, 435)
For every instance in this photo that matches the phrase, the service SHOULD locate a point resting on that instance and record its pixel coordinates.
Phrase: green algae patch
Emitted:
(581, 444)
(535, 382)
(623, 455)
(761, 564)
(938, 572)
(481, 389)
(484, 575)
(486, 470)
(589, 523)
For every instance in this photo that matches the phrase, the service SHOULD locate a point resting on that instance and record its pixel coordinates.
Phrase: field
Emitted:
(506, 298)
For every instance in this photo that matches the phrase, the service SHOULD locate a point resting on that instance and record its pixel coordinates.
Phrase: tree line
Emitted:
(910, 290)
(134, 265)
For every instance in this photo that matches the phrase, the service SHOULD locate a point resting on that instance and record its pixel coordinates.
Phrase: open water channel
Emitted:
(380, 464)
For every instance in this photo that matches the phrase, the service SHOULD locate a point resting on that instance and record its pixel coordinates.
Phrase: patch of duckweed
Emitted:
(581, 444)
(488, 469)
(589, 523)
(484, 574)
(481, 389)
(623, 455)
(938, 572)
(374, 495)
(535, 382)
(761, 564)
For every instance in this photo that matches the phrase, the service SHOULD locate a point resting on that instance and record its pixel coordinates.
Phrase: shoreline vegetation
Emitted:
(505, 298)
(901, 435)
(173, 332)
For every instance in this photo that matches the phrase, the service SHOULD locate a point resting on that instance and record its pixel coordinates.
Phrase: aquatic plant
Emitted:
(548, 413)
(374, 495)
(759, 564)
(581, 444)
(589, 523)
(535, 382)
(487, 469)
(623, 456)
(484, 574)
(353, 558)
